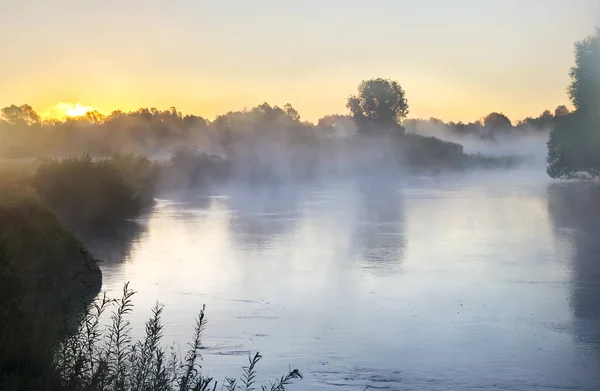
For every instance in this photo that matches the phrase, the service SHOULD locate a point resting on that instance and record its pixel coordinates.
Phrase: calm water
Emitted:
(431, 284)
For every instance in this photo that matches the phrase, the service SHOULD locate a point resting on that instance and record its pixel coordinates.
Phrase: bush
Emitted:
(95, 360)
(95, 193)
(421, 151)
(190, 168)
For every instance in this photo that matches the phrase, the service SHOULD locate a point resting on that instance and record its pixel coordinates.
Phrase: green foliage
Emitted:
(190, 167)
(95, 193)
(431, 152)
(585, 75)
(93, 358)
(545, 121)
(574, 146)
(260, 144)
(379, 106)
(97, 360)
(574, 143)
(431, 147)
(497, 121)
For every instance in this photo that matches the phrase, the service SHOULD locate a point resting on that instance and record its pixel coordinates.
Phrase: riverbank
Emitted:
(47, 276)
(51, 334)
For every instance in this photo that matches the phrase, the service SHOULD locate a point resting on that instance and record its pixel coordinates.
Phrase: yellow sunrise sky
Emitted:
(456, 60)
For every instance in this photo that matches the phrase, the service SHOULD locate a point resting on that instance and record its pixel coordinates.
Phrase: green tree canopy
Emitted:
(561, 110)
(574, 143)
(585, 75)
(380, 105)
(497, 121)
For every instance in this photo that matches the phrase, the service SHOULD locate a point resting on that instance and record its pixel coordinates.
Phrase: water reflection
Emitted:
(575, 212)
(189, 210)
(114, 245)
(260, 216)
(379, 228)
(309, 276)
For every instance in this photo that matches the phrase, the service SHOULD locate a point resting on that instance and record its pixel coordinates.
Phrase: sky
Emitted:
(456, 60)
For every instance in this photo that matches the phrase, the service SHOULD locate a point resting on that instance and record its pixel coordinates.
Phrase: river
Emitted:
(458, 282)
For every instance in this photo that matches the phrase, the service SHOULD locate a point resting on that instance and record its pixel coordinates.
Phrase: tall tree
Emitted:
(379, 106)
(291, 112)
(585, 75)
(574, 143)
(20, 115)
(497, 121)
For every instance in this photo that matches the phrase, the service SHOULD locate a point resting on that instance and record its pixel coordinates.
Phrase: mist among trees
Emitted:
(122, 160)
(271, 141)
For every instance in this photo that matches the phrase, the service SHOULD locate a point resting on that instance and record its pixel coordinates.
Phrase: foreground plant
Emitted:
(97, 360)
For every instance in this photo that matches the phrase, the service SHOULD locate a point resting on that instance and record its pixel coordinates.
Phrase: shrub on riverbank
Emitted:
(190, 168)
(94, 193)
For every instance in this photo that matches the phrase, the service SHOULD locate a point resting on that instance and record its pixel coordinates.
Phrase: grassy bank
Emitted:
(45, 274)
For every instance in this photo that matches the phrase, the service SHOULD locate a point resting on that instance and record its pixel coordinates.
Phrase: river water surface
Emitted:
(450, 283)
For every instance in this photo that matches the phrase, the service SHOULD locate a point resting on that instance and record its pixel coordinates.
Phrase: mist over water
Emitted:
(366, 248)
(460, 281)
(529, 143)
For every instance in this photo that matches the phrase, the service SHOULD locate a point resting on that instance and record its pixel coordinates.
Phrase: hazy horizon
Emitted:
(207, 58)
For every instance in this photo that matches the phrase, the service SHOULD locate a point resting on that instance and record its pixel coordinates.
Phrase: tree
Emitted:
(379, 106)
(337, 125)
(574, 146)
(291, 112)
(20, 115)
(561, 110)
(542, 123)
(497, 121)
(190, 121)
(95, 117)
(584, 90)
(574, 143)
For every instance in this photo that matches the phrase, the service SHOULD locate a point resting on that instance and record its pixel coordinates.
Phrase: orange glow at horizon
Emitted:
(64, 110)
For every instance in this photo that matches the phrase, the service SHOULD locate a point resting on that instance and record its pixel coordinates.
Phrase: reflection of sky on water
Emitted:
(430, 284)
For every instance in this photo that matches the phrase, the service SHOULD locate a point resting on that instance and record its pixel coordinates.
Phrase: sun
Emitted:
(77, 110)
(64, 110)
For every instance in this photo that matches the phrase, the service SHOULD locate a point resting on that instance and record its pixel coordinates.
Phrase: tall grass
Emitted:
(102, 360)
(95, 193)
(93, 357)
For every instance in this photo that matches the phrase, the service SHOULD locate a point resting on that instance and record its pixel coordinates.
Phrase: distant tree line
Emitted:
(25, 134)
(491, 127)
(262, 141)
